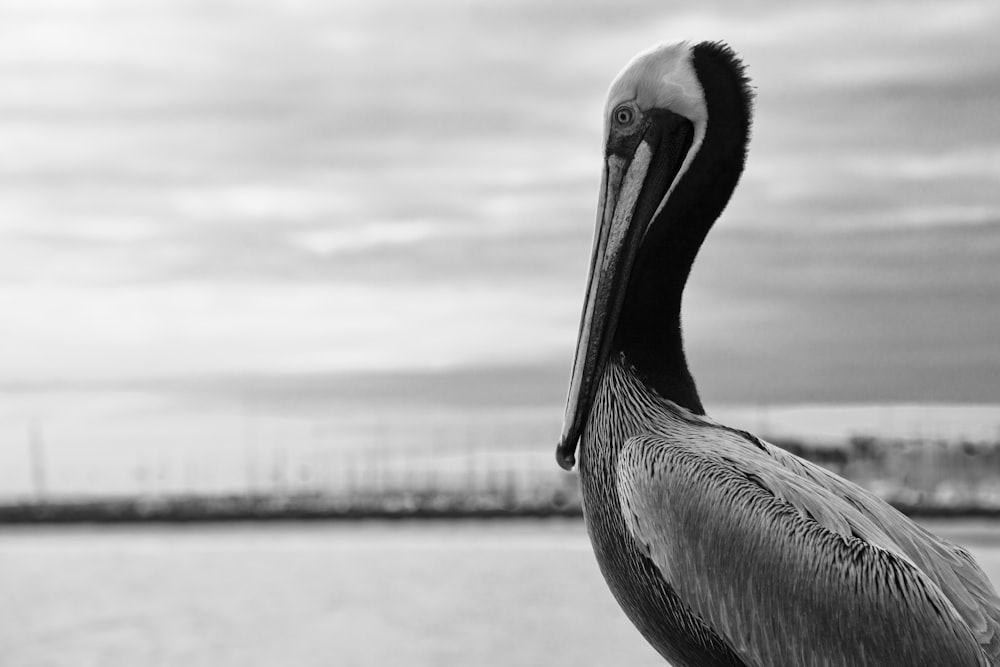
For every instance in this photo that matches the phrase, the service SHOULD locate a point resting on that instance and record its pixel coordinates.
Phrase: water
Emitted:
(421, 594)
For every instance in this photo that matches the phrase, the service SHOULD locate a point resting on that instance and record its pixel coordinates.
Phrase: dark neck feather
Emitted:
(649, 329)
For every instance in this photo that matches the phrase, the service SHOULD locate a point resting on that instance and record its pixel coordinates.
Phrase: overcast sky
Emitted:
(394, 200)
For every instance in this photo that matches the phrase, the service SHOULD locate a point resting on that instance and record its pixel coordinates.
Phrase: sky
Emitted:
(374, 204)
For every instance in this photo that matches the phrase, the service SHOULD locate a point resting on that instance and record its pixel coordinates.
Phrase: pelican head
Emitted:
(676, 127)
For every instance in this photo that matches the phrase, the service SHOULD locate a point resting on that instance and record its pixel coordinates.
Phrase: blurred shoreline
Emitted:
(921, 477)
(315, 507)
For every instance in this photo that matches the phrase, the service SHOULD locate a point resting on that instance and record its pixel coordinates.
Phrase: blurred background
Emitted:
(300, 259)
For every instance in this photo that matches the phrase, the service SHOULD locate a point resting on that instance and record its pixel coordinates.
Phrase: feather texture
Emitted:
(786, 562)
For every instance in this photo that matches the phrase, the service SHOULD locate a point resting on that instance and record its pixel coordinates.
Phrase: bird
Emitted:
(721, 548)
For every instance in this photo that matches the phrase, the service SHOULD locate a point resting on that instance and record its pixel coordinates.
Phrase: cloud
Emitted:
(100, 333)
(853, 315)
(210, 189)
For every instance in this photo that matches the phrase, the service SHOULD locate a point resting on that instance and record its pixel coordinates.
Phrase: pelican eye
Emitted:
(624, 115)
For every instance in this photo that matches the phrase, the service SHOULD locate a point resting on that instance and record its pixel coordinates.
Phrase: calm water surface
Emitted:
(421, 594)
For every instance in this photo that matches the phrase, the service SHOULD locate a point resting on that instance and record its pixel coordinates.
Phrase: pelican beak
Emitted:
(637, 178)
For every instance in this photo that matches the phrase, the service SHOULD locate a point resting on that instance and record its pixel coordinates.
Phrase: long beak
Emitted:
(632, 189)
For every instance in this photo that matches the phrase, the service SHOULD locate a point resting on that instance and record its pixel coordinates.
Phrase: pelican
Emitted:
(721, 548)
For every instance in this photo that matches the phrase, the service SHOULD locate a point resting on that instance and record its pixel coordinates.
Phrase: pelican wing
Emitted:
(796, 566)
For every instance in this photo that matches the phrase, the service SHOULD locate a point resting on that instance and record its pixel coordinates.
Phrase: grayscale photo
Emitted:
(499, 334)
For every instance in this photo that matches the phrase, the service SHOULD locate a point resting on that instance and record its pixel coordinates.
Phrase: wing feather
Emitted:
(950, 567)
(795, 566)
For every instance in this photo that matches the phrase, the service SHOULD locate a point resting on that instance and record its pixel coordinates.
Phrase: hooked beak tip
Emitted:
(566, 455)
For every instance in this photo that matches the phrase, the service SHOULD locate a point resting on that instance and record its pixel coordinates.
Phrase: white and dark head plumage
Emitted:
(661, 78)
(723, 549)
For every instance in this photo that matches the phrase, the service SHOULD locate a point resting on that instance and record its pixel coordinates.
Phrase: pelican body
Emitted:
(721, 548)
